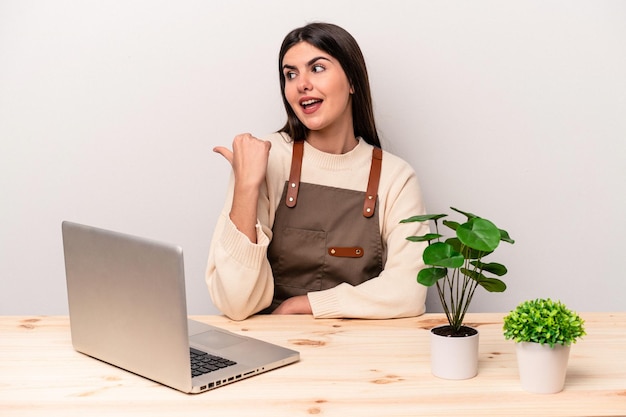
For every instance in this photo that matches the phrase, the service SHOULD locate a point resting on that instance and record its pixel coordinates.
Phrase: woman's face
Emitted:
(317, 88)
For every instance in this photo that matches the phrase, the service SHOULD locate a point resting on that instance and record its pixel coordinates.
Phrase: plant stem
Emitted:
(442, 298)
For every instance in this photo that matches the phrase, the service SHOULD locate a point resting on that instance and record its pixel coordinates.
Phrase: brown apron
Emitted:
(329, 237)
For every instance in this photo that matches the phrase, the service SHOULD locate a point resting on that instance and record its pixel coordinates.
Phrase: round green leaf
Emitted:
(442, 254)
(428, 276)
(479, 234)
(492, 284)
(493, 267)
(466, 251)
(423, 218)
(476, 276)
(466, 214)
(451, 224)
(425, 238)
(504, 236)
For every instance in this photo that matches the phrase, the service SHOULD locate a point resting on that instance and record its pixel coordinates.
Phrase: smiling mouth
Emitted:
(308, 103)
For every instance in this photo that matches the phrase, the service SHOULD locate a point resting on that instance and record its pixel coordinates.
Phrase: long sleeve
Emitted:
(239, 276)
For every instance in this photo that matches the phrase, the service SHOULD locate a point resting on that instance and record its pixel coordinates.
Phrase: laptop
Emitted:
(127, 307)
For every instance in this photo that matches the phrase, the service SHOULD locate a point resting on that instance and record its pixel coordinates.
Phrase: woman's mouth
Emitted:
(310, 105)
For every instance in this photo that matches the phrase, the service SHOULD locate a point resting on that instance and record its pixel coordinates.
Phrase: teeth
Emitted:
(309, 102)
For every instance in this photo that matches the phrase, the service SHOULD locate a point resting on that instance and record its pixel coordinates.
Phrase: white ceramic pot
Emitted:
(454, 357)
(542, 369)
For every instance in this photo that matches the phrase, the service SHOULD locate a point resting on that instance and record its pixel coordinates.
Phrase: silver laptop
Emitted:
(128, 307)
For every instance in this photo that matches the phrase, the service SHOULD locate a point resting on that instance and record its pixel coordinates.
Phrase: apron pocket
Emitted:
(301, 259)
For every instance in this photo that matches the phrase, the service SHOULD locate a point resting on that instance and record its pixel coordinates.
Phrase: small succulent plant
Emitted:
(543, 321)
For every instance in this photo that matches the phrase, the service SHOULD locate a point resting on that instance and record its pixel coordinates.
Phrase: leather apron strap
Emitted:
(372, 186)
(371, 195)
(294, 174)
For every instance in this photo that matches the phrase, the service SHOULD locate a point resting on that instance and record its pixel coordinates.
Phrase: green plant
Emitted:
(543, 321)
(455, 265)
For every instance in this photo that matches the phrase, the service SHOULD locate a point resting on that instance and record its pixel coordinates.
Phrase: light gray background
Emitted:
(513, 110)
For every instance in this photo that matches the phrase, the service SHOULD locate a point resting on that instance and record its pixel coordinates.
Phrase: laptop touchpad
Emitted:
(215, 339)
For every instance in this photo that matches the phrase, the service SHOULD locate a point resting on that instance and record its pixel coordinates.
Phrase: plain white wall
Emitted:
(514, 110)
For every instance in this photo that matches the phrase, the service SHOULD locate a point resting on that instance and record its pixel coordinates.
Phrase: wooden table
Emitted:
(347, 368)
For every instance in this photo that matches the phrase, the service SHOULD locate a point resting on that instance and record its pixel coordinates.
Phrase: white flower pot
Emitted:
(542, 369)
(454, 357)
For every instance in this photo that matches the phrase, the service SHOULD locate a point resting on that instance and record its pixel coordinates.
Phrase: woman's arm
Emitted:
(238, 274)
(249, 162)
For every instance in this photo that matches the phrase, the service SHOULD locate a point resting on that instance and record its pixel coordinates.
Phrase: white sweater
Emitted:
(239, 275)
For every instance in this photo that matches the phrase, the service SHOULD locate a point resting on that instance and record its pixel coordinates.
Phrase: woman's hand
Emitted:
(294, 305)
(249, 162)
(248, 159)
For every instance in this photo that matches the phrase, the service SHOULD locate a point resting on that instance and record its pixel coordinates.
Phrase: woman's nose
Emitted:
(304, 83)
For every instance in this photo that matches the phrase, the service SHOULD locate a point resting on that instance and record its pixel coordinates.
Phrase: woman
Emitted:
(312, 225)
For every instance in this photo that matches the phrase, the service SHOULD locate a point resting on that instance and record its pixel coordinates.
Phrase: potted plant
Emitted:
(543, 331)
(457, 269)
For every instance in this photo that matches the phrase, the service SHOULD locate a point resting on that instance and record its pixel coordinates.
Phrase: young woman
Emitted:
(311, 220)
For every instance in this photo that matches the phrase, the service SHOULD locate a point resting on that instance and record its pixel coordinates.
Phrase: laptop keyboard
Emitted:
(203, 363)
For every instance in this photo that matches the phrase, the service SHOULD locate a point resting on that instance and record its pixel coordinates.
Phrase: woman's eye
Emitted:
(318, 68)
(290, 75)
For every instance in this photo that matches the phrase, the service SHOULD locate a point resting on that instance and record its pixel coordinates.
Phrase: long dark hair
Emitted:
(337, 42)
